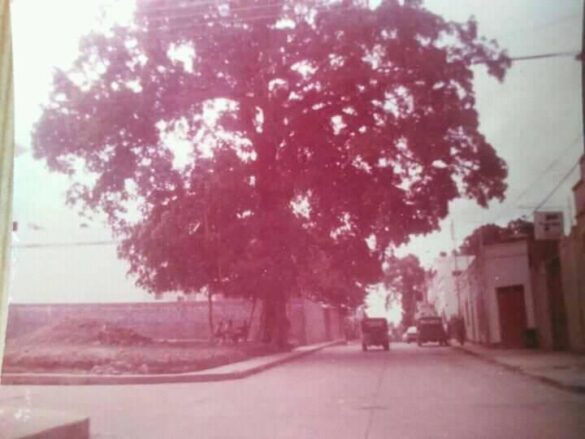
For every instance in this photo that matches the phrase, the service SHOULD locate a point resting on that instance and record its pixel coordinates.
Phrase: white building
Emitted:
(496, 295)
(442, 287)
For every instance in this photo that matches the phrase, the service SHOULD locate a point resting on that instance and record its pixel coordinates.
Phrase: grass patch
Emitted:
(84, 347)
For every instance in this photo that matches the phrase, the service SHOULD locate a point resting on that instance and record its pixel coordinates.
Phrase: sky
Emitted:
(533, 119)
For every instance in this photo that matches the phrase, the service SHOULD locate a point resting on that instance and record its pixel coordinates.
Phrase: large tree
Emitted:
(264, 147)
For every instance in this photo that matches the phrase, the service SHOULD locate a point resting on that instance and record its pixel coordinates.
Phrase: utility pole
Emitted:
(456, 268)
(582, 59)
(483, 288)
(206, 253)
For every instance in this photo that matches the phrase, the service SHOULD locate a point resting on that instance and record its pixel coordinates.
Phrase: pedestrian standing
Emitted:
(461, 330)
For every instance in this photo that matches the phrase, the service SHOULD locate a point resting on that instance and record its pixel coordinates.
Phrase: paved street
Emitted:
(340, 392)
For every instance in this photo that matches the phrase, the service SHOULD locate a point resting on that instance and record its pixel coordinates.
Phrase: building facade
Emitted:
(572, 265)
(512, 295)
(442, 288)
(497, 297)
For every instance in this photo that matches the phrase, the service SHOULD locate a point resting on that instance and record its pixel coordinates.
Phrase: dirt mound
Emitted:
(85, 332)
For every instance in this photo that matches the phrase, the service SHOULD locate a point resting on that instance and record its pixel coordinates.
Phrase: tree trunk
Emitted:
(210, 314)
(274, 201)
(275, 323)
(265, 331)
(254, 302)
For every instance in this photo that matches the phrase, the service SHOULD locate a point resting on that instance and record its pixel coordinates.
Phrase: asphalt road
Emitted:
(338, 393)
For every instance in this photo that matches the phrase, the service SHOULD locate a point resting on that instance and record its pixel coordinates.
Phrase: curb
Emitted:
(43, 424)
(573, 388)
(225, 372)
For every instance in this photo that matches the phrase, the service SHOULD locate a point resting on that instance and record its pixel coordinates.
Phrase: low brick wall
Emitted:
(165, 320)
(313, 323)
(309, 321)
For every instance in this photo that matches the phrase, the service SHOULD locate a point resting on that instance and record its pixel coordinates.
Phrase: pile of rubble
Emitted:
(86, 332)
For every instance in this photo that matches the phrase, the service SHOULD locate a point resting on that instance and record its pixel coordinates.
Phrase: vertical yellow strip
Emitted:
(6, 163)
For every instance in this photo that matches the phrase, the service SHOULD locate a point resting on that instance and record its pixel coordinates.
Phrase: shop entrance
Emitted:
(512, 311)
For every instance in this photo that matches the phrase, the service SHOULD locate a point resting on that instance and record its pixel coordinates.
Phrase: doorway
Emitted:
(512, 310)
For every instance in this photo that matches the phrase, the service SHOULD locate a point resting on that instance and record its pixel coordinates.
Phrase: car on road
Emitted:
(375, 332)
(411, 335)
(431, 329)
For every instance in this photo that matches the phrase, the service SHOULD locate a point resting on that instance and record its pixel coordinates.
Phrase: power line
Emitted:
(212, 16)
(216, 6)
(514, 207)
(559, 184)
(537, 56)
(64, 244)
(323, 6)
(216, 20)
(548, 168)
(203, 24)
(178, 14)
(331, 6)
(198, 8)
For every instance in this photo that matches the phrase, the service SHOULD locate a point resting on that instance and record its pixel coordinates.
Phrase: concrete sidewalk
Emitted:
(560, 369)
(231, 371)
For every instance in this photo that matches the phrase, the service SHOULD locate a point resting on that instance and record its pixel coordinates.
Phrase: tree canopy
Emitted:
(264, 147)
(492, 234)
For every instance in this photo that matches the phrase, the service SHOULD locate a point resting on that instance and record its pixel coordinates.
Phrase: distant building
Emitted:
(442, 287)
(179, 296)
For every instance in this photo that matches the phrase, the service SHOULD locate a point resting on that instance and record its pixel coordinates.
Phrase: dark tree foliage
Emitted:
(405, 278)
(492, 234)
(267, 147)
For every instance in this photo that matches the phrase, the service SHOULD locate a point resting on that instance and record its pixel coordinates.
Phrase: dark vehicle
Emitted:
(375, 332)
(430, 329)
